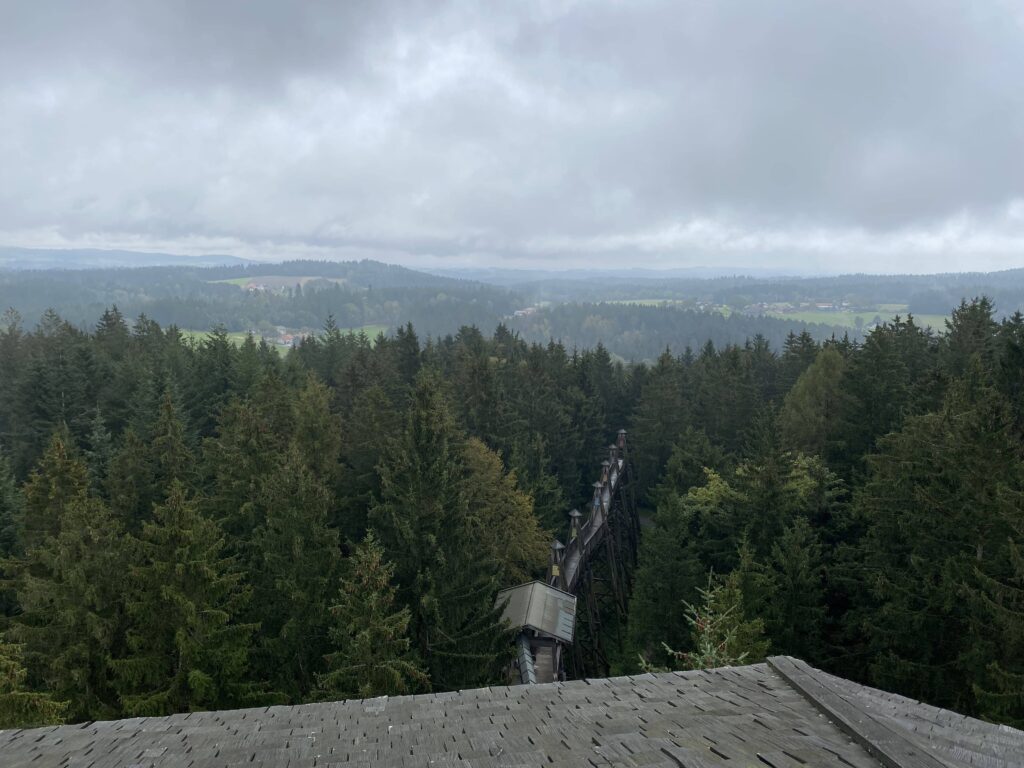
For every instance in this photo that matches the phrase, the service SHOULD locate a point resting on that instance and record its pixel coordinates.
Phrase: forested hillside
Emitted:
(198, 524)
(297, 298)
(921, 294)
(639, 332)
(297, 295)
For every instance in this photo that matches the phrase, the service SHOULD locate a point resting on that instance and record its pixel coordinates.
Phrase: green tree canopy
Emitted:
(372, 655)
(187, 651)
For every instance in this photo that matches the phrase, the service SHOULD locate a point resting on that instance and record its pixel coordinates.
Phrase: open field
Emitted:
(647, 302)
(235, 337)
(372, 331)
(276, 282)
(849, 319)
(825, 317)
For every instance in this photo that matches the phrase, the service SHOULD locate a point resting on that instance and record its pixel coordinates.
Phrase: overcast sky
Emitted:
(867, 135)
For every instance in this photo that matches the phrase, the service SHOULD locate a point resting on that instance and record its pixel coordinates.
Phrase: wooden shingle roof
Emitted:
(782, 714)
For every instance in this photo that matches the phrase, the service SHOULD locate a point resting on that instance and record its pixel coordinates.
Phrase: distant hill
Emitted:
(516, 277)
(296, 295)
(87, 258)
(746, 291)
(363, 274)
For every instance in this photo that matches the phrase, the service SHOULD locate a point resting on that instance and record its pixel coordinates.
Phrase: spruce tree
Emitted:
(971, 334)
(131, 482)
(13, 353)
(669, 569)
(464, 640)
(114, 374)
(1009, 377)
(20, 707)
(725, 396)
(10, 544)
(248, 365)
(187, 652)
(891, 376)
(795, 612)
(99, 453)
(294, 577)
(421, 498)
(754, 581)
(692, 454)
(798, 354)
(10, 510)
(317, 432)
(372, 655)
(60, 478)
(659, 419)
(172, 457)
(213, 380)
(481, 402)
(55, 389)
(998, 600)
(370, 429)
(70, 589)
(765, 480)
(934, 520)
(812, 409)
(245, 450)
(445, 577)
(720, 634)
(407, 354)
(531, 464)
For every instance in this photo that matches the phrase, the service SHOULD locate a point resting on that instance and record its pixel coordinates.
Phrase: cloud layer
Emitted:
(846, 135)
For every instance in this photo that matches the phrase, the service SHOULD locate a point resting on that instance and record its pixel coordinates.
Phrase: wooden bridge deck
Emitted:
(592, 530)
(609, 514)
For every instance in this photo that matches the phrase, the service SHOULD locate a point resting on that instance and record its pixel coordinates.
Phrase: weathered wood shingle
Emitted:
(742, 716)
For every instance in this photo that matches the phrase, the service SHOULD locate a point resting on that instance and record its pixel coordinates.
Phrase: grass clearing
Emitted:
(235, 337)
(849, 319)
(275, 283)
(372, 331)
(646, 302)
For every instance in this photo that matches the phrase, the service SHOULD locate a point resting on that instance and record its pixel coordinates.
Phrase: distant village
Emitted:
(788, 307)
(286, 337)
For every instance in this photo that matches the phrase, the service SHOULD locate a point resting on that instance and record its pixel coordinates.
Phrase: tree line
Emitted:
(189, 525)
(856, 505)
(638, 332)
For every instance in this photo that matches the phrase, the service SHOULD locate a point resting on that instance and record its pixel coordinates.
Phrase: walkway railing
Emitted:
(539, 648)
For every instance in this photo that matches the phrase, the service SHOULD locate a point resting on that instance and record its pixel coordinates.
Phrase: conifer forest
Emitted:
(191, 522)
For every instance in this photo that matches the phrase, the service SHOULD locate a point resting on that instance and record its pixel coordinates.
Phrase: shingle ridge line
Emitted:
(890, 747)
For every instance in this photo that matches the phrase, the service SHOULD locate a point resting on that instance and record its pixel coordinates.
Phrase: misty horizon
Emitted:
(19, 258)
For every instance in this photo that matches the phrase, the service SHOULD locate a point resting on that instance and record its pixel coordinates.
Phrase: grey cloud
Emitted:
(673, 131)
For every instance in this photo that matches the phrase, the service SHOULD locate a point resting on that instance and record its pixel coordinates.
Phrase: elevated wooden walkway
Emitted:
(608, 531)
